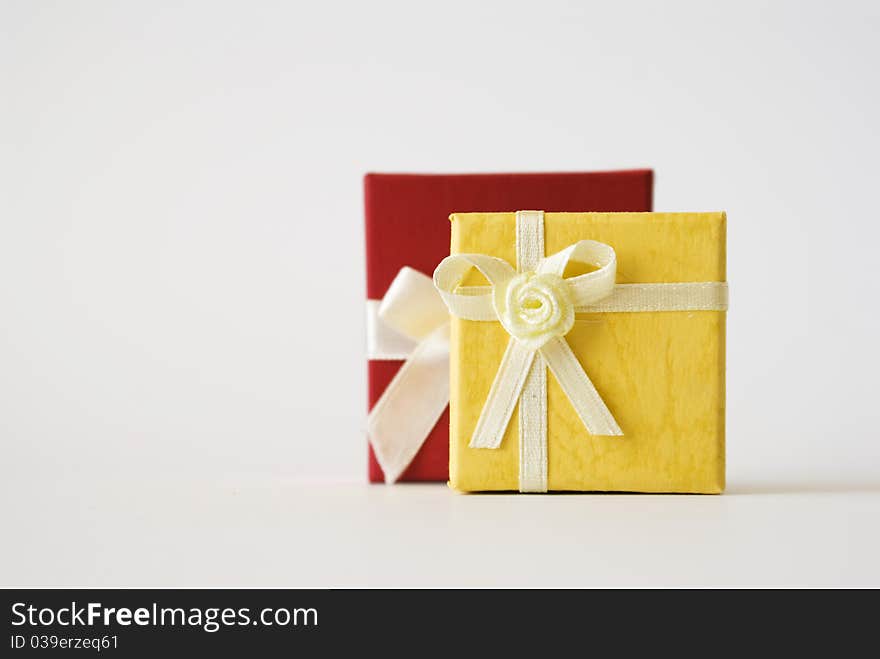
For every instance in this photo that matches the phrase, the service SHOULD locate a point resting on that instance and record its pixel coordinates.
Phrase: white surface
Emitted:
(278, 533)
(170, 173)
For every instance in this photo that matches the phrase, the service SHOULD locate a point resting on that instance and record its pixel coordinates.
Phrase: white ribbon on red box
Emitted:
(410, 323)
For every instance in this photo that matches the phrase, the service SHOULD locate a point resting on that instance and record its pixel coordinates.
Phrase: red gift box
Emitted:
(407, 224)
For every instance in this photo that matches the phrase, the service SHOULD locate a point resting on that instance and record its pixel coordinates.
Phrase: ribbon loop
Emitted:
(411, 306)
(478, 306)
(593, 286)
(590, 287)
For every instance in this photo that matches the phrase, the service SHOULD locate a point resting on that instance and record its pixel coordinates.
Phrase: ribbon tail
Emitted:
(411, 405)
(576, 384)
(503, 396)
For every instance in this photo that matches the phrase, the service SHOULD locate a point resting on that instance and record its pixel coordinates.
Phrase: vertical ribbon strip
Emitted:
(533, 399)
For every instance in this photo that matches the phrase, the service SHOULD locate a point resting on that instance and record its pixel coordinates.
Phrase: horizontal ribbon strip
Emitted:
(624, 298)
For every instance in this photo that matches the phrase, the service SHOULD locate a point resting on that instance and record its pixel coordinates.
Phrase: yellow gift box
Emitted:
(660, 373)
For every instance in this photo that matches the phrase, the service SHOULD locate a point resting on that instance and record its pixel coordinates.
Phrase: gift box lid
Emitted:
(407, 214)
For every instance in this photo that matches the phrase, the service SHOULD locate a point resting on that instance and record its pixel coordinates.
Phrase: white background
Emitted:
(182, 375)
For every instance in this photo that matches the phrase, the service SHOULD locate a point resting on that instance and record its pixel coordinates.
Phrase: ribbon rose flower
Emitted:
(534, 308)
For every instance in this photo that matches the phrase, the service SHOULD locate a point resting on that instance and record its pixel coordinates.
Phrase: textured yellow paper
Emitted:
(660, 373)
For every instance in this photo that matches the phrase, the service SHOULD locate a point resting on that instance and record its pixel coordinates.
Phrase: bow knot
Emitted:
(537, 310)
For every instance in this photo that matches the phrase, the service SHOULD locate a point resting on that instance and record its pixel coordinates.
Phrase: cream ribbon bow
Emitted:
(411, 323)
(536, 306)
